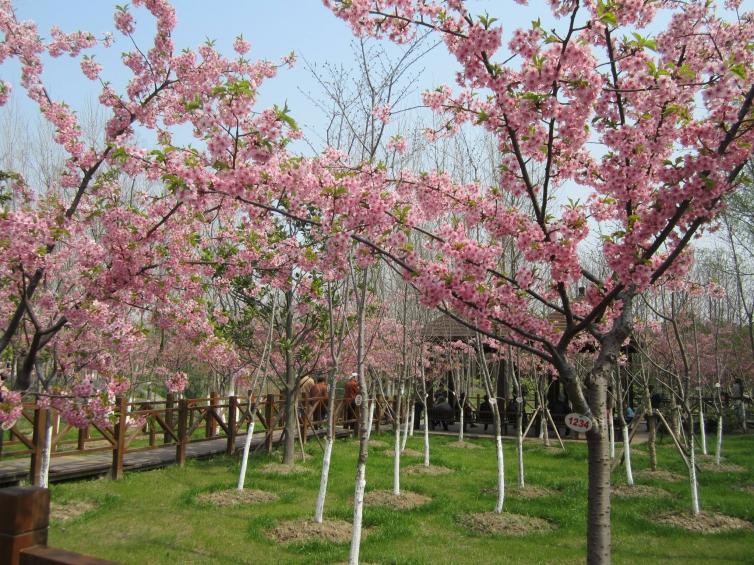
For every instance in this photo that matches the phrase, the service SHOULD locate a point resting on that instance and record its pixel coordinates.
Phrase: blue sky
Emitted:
(274, 28)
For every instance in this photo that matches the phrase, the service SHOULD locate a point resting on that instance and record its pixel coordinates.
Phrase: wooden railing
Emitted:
(147, 425)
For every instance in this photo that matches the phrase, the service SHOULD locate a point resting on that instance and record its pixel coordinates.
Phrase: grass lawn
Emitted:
(153, 517)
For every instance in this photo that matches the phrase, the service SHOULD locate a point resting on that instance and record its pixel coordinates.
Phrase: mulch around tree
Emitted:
(377, 444)
(405, 453)
(529, 491)
(235, 497)
(65, 511)
(659, 474)
(625, 491)
(705, 522)
(405, 501)
(506, 524)
(722, 467)
(280, 469)
(432, 470)
(464, 445)
(304, 530)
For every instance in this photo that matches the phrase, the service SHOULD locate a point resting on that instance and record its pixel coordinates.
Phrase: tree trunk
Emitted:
(611, 433)
(246, 450)
(692, 467)
(627, 455)
(520, 445)
(319, 509)
(370, 423)
(412, 417)
(361, 466)
(598, 521)
(397, 444)
(719, 445)
(701, 422)
(44, 470)
(291, 387)
(426, 416)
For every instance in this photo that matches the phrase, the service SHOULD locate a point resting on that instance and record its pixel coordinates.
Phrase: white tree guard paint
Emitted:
(719, 445)
(245, 457)
(627, 456)
(500, 474)
(320, 507)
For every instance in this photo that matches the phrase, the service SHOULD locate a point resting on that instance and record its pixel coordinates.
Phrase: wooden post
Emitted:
(151, 430)
(116, 472)
(23, 520)
(169, 404)
(180, 449)
(211, 425)
(82, 437)
(232, 425)
(38, 439)
(268, 405)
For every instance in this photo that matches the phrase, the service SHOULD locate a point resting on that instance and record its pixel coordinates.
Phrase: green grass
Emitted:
(152, 517)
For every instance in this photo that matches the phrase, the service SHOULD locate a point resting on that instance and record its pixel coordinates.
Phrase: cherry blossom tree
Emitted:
(601, 78)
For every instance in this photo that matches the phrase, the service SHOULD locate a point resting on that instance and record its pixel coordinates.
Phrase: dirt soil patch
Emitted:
(405, 501)
(722, 467)
(65, 511)
(464, 445)
(625, 491)
(506, 524)
(432, 470)
(304, 530)
(235, 497)
(405, 453)
(748, 488)
(659, 474)
(280, 469)
(377, 444)
(529, 491)
(705, 522)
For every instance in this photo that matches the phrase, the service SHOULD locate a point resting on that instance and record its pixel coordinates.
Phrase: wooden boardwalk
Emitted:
(77, 466)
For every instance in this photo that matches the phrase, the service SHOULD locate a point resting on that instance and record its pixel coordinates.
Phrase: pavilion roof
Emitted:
(446, 328)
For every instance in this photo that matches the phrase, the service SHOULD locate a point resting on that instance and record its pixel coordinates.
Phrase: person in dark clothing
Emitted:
(485, 412)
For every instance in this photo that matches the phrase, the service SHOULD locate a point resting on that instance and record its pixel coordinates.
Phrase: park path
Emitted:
(80, 465)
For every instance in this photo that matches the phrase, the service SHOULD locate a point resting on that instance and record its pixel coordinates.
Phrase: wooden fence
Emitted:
(147, 425)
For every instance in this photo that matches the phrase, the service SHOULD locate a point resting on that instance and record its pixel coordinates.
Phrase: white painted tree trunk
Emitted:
(245, 457)
(358, 511)
(627, 455)
(44, 470)
(361, 465)
(460, 427)
(320, 507)
(412, 417)
(426, 431)
(719, 445)
(701, 423)
(371, 416)
(500, 474)
(692, 470)
(397, 456)
(405, 428)
(520, 448)
(611, 433)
